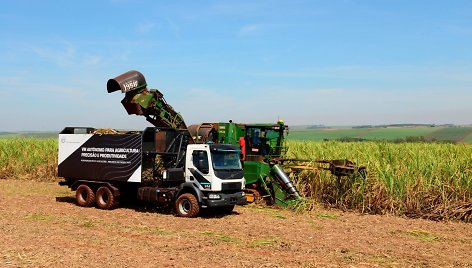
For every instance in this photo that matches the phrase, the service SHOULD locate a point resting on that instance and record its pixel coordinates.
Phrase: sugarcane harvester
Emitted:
(263, 148)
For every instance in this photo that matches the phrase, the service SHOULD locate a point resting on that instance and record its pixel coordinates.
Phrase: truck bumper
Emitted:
(228, 200)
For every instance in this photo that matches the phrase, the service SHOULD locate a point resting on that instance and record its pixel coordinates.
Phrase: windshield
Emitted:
(226, 160)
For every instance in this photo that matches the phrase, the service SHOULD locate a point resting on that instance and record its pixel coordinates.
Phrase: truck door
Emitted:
(200, 171)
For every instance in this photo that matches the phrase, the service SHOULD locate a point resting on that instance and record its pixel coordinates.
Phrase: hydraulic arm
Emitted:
(139, 100)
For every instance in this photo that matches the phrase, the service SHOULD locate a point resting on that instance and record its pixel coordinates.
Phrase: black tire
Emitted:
(105, 198)
(84, 196)
(187, 206)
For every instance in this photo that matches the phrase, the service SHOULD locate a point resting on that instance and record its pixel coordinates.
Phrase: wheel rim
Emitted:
(185, 206)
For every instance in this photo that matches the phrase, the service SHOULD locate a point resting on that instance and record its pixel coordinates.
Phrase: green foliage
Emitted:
(88, 224)
(451, 134)
(408, 134)
(28, 158)
(326, 216)
(221, 237)
(414, 179)
(468, 139)
(264, 242)
(40, 217)
(280, 217)
(423, 235)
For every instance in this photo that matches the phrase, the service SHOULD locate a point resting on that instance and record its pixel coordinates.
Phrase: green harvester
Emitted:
(262, 146)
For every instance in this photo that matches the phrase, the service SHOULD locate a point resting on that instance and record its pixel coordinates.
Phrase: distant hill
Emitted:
(30, 134)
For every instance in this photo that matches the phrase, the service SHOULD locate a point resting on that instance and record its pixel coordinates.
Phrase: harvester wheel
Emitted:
(187, 206)
(105, 199)
(84, 196)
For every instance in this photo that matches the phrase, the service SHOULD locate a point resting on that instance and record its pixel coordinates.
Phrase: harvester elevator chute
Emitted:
(139, 100)
(284, 181)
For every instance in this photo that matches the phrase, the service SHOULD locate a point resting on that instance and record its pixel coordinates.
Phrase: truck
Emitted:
(161, 166)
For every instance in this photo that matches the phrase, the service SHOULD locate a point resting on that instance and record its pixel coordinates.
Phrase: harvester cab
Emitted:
(265, 140)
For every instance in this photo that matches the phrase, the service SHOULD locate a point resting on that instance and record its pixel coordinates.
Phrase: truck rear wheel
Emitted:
(105, 198)
(84, 196)
(187, 206)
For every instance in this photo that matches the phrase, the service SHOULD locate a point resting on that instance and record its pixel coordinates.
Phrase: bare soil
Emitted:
(40, 226)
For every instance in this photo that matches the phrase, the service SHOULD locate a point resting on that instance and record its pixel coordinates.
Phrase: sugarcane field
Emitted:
(235, 134)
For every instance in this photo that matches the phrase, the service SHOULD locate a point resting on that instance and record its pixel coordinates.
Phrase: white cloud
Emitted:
(120, 2)
(145, 27)
(10, 80)
(173, 27)
(385, 72)
(63, 56)
(250, 30)
(93, 59)
(66, 55)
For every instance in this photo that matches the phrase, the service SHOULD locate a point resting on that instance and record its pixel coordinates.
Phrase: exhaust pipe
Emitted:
(284, 180)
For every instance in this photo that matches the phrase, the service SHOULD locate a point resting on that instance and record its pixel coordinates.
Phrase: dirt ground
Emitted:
(40, 226)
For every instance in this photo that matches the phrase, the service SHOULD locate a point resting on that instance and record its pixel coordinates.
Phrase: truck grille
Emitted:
(231, 186)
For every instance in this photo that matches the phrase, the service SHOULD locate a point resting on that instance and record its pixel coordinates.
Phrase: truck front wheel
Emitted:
(84, 196)
(187, 206)
(105, 198)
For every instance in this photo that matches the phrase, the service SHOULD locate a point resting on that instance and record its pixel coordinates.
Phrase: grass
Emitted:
(395, 133)
(468, 139)
(88, 224)
(264, 242)
(160, 231)
(326, 216)
(414, 179)
(423, 235)
(452, 134)
(40, 217)
(22, 158)
(280, 217)
(221, 237)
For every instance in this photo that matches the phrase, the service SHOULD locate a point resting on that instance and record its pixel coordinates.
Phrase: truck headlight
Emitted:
(214, 196)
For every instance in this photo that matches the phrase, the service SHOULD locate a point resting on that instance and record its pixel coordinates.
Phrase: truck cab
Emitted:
(217, 172)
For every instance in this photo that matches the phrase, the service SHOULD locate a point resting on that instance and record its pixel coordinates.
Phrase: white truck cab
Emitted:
(217, 172)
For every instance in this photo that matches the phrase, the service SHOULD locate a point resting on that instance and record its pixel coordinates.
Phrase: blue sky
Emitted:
(335, 62)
